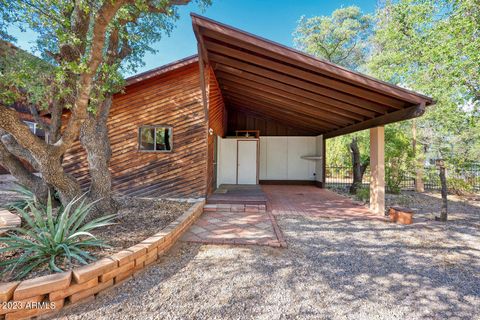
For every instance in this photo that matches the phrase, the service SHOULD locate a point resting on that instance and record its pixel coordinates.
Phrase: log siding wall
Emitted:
(173, 99)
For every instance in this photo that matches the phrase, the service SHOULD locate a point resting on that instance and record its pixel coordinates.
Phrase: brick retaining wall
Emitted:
(42, 295)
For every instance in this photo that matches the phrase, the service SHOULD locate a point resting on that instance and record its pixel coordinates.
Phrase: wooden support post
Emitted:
(377, 168)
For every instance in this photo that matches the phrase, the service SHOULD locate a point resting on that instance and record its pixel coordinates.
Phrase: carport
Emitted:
(290, 103)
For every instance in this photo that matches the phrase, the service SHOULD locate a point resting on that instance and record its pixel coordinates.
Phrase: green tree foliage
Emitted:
(433, 46)
(339, 38)
(85, 46)
(399, 156)
(338, 152)
(430, 46)
(66, 33)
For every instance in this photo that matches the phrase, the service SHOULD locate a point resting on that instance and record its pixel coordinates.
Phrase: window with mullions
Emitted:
(35, 128)
(155, 138)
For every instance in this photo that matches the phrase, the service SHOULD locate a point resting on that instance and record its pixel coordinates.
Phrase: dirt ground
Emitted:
(137, 219)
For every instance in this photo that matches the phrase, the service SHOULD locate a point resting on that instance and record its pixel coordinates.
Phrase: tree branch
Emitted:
(16, 149)
(79, 111)
(23, 175)
(10, 122)
(36, 116)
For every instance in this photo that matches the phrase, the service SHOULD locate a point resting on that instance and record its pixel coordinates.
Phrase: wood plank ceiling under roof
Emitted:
(270, 80)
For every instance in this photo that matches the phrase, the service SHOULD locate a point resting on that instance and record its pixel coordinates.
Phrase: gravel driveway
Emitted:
(332, 269)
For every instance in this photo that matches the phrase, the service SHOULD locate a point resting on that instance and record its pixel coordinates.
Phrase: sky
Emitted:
(272, 19)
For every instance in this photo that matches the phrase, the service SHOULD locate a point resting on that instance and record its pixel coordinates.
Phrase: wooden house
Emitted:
(245, 110)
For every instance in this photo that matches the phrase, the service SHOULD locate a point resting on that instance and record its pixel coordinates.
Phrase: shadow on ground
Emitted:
(332, 269)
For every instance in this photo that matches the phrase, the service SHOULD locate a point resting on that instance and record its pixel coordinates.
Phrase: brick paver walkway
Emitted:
(230, 227)
(314, 202)
(223, 224)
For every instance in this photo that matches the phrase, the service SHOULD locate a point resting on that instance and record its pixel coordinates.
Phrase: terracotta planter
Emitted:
(401, 215)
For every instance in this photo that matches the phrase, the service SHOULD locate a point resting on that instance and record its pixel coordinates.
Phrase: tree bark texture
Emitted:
(419, 185)
(47, 156)
(22, 174)
(358, 167)
(443, 180)
(94, 138)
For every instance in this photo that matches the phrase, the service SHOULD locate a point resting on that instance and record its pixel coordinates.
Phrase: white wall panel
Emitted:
(277, 160)
(227, 161)
(280, 158)
(298, 168)
(263, 159)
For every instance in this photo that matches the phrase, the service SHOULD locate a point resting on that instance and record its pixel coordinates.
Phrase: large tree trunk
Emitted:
(53, 173)
(23, 175)
(443, 180)
(94, 138)
(358, 167)
(419, 185)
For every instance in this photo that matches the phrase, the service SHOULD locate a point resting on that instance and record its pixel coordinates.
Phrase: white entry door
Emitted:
(247, 162)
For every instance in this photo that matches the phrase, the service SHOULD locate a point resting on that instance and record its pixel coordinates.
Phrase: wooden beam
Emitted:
(287, 103)
(202, 51)
(404, 114)
(203, 86)
(254, 79)
(277, 118)
(260, 115)
(272, 107)
(269, 48)
(301, 74)
(273, 110)
(284, 114)
(234, 66)
(315, 105)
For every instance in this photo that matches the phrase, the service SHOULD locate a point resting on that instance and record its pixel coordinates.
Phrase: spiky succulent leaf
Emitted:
(50, 238)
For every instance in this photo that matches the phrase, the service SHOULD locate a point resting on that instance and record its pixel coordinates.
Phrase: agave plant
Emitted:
(27, 196)
(51, 238)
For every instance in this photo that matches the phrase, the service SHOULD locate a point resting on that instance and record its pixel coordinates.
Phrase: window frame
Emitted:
(154, 127)
(28, 123)
(36, 127)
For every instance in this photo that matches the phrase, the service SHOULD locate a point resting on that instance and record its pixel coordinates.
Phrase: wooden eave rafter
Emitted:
(290, 116)
(277, 81)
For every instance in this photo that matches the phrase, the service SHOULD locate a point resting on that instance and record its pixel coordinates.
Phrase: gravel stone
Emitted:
(332, 269)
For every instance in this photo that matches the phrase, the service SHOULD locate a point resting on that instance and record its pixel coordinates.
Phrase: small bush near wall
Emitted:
(459, 186)
(363, 194)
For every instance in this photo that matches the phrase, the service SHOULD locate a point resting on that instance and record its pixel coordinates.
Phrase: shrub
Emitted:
(363, 194)
(459, 186)
(52, 240)
(394, 176)
(27, 197)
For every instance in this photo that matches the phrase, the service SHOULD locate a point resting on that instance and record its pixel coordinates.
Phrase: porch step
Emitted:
(238, 194)
(237, 199)
(214, 207)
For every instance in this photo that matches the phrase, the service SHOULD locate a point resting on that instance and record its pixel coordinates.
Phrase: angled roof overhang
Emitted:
(270, 80)
(172, 66)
